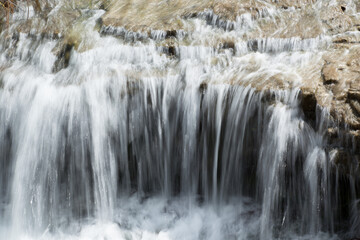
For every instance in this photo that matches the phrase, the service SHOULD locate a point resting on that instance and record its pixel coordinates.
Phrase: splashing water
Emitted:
(127, 142)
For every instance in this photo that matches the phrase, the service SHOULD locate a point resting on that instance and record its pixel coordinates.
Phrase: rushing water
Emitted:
(128, 142)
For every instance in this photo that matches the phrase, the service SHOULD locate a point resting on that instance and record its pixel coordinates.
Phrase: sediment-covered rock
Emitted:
(338, 86)
(207, 99)
(330, 29)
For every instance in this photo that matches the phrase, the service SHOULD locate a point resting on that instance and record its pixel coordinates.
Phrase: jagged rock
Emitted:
(171, 33)
(169, 46)
(332, 81)
(355, 140)
(355, 106)
(143, 15)
(338, 88)
(63, 57)
(331, 74)
(344, 160)
(354, 94)
(332, 135)
(228, 45)
(339, 156)
(308, 105)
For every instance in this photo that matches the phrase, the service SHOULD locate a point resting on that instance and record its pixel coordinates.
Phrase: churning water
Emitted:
(131, 142)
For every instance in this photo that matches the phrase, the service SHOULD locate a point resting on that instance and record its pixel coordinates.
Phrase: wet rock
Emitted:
(225, 8)
(332, 81)
(354, 94)
(347, 38)
(99, 24)
(203, 87)
(355, 105)
(332, 135)
(169, 47)
(141, 15)
(355, 140)
(229, 44)
(338, 89)
(169, 50)
(330, 74)
(171, 33)
(172, 51)
(63, 57)
(252, 45)
(2, 21)
(339, 157)
(308, 105)
(344, 161)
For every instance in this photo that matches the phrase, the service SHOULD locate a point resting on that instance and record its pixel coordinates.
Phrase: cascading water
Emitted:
(127, 142)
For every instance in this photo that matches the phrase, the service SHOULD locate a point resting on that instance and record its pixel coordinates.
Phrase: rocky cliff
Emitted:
(330, 80)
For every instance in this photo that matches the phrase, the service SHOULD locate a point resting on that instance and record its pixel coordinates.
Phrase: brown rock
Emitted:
(355, 105)
(354, 94)
(330, 74)
(308, 105)
(339, 156)
(339, 87)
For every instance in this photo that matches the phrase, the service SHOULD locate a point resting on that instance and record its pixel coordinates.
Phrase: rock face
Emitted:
(332, 80)
(341, 78)
(330, 28)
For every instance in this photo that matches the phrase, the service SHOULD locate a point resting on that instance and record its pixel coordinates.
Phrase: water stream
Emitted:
(131, 142)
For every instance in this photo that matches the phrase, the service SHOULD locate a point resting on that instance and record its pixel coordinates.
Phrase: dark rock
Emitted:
(15, 37)
(355, 141)
(168, 50)
(354, 94)
(99, 23)
(345, 161)
(332, 135)
(203, 87)
(229, 45)
(340, 156)
(343, 40)
(253, 45)
(63, 58)
(330, 74)
(355, 106)
(330, 81)
(308, 105)
(172, 51)
(171, 33)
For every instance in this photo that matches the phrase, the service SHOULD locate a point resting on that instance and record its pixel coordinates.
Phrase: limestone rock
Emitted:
(332, 80)
(338, 89)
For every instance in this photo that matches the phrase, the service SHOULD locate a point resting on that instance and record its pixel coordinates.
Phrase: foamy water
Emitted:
(128, 142)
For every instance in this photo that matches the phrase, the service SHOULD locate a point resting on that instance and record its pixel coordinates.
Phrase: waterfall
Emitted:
(128, 141)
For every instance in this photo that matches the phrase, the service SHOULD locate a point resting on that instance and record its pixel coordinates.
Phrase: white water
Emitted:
(129, 143)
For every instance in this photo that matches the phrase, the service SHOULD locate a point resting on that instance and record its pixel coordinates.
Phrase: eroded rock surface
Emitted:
(325, 33)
